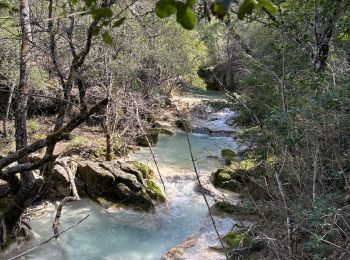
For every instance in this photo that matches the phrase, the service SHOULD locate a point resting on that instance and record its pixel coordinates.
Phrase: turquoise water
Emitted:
(125, 234)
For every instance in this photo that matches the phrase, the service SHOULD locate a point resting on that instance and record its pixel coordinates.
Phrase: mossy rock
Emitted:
(223, 179)
(236, 239)
(243, 208)
(147, 172)
(155, 192)
(221, 176)
(228, 155)
(151, 136)
(223, 207)
(183, 124)
(243, 178)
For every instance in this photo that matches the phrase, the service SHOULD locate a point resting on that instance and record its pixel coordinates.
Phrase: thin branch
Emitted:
(75, 197)
(283, 196)
(54, 137)
(201, 186)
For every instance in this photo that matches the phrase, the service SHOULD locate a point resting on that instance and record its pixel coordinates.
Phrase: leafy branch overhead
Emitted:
(219, 8)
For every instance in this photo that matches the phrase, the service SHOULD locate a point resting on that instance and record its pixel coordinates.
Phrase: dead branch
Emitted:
(283, 196)
(54, 137)
(65, 200)
(201, 186)
(27, 166)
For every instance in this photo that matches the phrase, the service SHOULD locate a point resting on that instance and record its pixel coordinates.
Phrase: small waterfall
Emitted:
(217, 124)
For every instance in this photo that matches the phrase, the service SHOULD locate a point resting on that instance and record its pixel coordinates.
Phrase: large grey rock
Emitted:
(123, 176)
(97, 179)
(111, 182)
(131, 168)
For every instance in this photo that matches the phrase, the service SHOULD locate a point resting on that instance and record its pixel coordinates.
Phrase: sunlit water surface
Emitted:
(126, 234)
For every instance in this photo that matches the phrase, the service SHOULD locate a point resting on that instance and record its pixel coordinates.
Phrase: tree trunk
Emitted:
(109, 147)
(323, 47)
(27, 189)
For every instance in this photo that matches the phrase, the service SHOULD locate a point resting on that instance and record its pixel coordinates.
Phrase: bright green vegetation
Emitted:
(147, 171)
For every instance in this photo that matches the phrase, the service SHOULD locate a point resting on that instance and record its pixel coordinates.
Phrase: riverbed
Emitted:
(127, 234)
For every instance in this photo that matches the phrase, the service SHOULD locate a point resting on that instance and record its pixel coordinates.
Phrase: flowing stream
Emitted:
(126, 234)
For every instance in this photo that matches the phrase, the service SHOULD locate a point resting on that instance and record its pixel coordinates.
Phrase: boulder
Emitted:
(245, 178)
(228, 155)
(147, 172)
(154, 191)
(130, 183)
(125, 195)
(122, 176)
(151, 136)
(129, 167)
(97, 179)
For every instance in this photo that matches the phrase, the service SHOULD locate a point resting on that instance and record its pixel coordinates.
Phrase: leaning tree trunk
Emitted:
(26, 190)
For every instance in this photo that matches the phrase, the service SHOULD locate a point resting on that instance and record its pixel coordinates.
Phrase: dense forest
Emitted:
(189, 129)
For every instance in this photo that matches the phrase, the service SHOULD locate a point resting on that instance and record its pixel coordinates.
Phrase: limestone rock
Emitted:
(97, 179)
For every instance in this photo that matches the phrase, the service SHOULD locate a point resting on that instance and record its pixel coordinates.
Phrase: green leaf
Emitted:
(107, 38)
(96, 31)
(246, 8)
(101, 13)
(118, 23)
(165, 8)
(268, 5)
(191, 3)
(220, 8)
(185, 16)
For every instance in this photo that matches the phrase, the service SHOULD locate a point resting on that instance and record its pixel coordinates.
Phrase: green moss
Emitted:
(221, 176)
(147, 172)
(224, 207)
(228, 155)
(155, 192)
(33, 126)
(78, 141)
(236, 240)
(247, 165)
